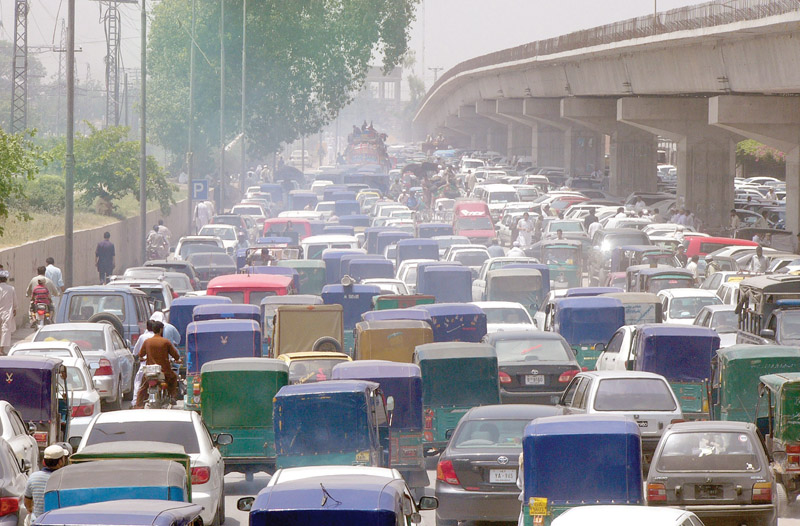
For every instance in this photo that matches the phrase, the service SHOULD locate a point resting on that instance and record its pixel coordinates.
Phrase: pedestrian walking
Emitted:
(201, 215)
(495, 250)
(55, 458)
(525, 229)
(104, 257)
(8, 311)
(53, 273)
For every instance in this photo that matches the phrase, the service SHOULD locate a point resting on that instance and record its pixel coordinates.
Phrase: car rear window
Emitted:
(709, 451)
(211, 260)
(84, 306)
(687, 308)
(634, 394)
(236, 297)
(171, 432)
(86, 340)
(533, 350)
(490, 434)
(708, 248)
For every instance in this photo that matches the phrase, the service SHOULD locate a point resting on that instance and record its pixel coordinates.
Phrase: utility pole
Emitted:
(303, 154)
(190, 153)
(243, 171)
(19, 83)
(436, 73)
(61, 70)
(221, 196)
(143, 136)
(69, 158)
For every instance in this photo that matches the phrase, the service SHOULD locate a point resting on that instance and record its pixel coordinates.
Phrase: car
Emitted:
(176, 265)
(387, 285)
(184, 428)
(55, 349)
(540, 317)
(472, 257)
(603, 244)
(84, 401)
(181, 249)
(534, 367)
(626, 515)
(407, 273)
(13, 479)
(14, 431)
(617, 354)
(255, 211)
(682, 305)
(179, 282)
(209, 265)
(718, 470)
(227, 233)
(645, 397)
(127, 309)
(108, 355)
(444, 242)
(148, 272)
(240, 222)
(713, 281)
(721, 318)
(505, 316)
(159, 292)
(728, 292)
(476, 474)
(550, 228)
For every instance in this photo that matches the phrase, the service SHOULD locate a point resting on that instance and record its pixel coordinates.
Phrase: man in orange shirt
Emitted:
(157, 350)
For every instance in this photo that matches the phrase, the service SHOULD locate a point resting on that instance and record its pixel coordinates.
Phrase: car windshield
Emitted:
(196, 246)
(710, 451)
(228, 234)
(179, 282)
(211, 259)
(789, 326)
(471, 258)
(228, 220)
(248, 211)
(687, 308)
(503, 197)
(475, 223)
(489, 434)
(634, 394)
(257, 295)
(531, 350)
(83, 306)
(86, 340)
(321, 424)
(75, 379)
(727, 321)
(309, 371)
(169, 431)
(565, 226)
(235, 296)
(506, 315)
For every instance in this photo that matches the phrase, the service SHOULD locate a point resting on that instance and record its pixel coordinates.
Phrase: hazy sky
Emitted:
(455, 30)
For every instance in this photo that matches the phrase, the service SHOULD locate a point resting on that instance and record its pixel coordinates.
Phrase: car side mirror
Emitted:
(768, 334)
(600, 347)
(25, 465)
(74, 442)
(428, 503)
(779, 457)
(245, 503)
(390, 404)
(31, 428)
(629, 365)
(223, 439)
(448, 434)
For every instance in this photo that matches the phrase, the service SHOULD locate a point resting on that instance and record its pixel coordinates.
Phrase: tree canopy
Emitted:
(20, 161)
(305, 58)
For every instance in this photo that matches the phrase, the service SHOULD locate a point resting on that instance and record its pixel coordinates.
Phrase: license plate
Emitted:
(534, 379)
(642, 423)
(503, 475)
(708, 491)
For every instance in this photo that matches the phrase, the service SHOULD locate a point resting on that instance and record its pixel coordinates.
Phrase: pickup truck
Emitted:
(782, 328)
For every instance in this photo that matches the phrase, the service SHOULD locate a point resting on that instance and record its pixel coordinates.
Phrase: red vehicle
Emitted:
(700, 246)
(565, 201)
(277, 227)
(250, 288)
(473, 220)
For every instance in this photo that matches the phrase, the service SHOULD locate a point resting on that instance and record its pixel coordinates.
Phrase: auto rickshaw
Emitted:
(590, 292)
(392, 340)
(519, 285)
(359, 222)
(371, 237)
(297, 327)
(355, 301)
(736, 372)
(446, 283)
(779, 400)
(226, 311)
(301, 200)
(654, 280)
(124, 512)
(456, 377)
(360, 269)
(543, 269)
(682, 354)
(396, 301)
(236, 398)
(456, 322)
(422, 266)
(311, 274)
(640, 307)
(341, 422)
(273, 270)
(587, 324)
(632, 276)
(565, 260)
(250, 288)
(403, 382)
(312, 366)
(37, 388)
(429, 230)
(578, 460)
(390, 237)
(268, 308)
(629, 255)
(182, 309)
(397, 314)
(215, 340)
(332, 258)
(417, 249)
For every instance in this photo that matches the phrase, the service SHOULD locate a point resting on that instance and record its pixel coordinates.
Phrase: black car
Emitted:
(535, 366)
(209, 265)
(176, 265)
(476, 477)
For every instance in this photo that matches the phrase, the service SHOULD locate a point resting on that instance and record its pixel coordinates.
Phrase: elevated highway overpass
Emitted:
(705, 76)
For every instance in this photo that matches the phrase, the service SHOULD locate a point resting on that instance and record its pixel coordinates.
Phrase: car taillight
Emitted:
(567, 376)
(104, 368)
(200, 475)
(446, 473)
(504, 378)
(762, 492)
(677, 421)
(8, 505)
(40, 437)
(82, 410)
(656, 492)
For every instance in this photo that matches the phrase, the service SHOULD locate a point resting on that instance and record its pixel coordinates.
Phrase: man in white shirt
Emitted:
(525, 230)
(516, 251)
(621, 213)
(758, 262)
(594, 227)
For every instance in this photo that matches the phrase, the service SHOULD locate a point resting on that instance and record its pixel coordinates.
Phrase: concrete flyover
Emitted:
(705, 76)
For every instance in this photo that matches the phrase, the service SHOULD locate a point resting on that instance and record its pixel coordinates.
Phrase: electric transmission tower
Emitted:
(113, 25)
(19, 84)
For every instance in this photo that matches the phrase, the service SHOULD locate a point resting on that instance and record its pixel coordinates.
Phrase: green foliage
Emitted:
(756, 158)
(45, 193)
(304, 60)
(20, 161)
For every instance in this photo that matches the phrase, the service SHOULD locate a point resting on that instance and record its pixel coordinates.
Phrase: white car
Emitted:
(618, 350)
(387, 285)
(314, 246)
(14, 430)
(626, 515)
(184, 428)
(721, 318)
(682, 305)
(728, 292)
(227, 233)
(473, 257)
(51, 349)
(540, 318)
(407, 273)
(182, 249)
(84, 401)
(505, 316)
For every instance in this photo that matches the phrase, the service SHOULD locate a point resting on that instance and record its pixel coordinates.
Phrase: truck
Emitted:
(769, 310)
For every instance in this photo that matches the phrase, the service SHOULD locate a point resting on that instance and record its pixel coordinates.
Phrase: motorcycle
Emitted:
(40, 316)
(157, 391)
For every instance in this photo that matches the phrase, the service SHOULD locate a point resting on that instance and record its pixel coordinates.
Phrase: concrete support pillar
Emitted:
(706, 154)
(513, 110)
(773, 120)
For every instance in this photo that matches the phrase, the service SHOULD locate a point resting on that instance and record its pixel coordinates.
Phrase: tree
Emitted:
(755, 159)
(20, 161)
(305, 58)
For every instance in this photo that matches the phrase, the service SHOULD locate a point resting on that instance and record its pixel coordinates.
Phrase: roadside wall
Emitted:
(22, 261)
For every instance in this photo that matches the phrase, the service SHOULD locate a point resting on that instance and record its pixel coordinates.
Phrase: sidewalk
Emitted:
(22, 333)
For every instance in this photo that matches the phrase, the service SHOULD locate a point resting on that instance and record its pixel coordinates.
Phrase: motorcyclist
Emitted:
(158, 350)
(157, 245)
(40, 294)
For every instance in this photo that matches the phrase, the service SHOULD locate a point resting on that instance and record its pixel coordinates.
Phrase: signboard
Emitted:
(200, 190)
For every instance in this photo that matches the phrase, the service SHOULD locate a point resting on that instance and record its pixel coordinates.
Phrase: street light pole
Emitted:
(69, 183)
(143, 138)
(190, 153)
(243, 171)
(221, 197)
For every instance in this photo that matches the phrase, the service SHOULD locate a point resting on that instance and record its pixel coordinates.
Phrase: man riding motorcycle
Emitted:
(40, 295)
(158, 350)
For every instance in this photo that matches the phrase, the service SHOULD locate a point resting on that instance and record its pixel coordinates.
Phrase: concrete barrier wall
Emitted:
(22, 261)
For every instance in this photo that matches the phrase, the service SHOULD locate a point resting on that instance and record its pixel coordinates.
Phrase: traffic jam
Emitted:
(464, 339)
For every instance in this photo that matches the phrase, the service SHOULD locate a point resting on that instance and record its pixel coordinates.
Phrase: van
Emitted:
(473, 220)
(126, 308)
(497, 196)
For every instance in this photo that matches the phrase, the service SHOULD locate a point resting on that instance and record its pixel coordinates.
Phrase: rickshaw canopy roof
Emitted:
(633, 297)
(225, 310)
(666, 271)
(27, 361)
(129, 512)
(245, 364)
(250, 281)
(449, 309)
(222, 326)
(776, 382)
(582, 292)
(561, 243)
(131, 448)
(375, 369)
(117, 473)
(293, 299)
(327, 387)
(582, 425)
(391, 325)
(772, 283)
(568, 304)
(451, 350)
(397, 314)
(518, 272)
(751, 351)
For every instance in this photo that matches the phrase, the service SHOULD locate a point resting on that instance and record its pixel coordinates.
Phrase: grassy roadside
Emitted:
(47, 225)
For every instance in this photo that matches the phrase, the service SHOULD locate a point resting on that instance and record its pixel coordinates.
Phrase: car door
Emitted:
(23, 438)
(125, 360)
(609, 358)
(567, 397)
(579, 402)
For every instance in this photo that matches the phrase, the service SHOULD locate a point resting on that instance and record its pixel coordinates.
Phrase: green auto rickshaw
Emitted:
(456, 376)
(236, 398)
(779, 402)
(564, 258)
(311, 271)
(398, 301)
(735, 377)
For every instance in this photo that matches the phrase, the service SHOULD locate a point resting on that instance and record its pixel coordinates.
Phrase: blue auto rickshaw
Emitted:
(346, 207)
(417, 249)
(225, 311)
(344, 263)
(403, 383)
(589, 292)
(342, 195)
(448, 284)
(371, 237)
(579, 460)
(456, 322)
(37, 388)
(301, 200)
(274, 271)
(329, 191)
(389, 237)
(682, 354)
(429, 230)
(585, 322)
(361, 269)
(317, 226)
(341, 422)
(152, 512)
(359, 222)
(182, 310)
(333, 262)
(410, 313)
(355, 301)
(216, 340)
(275, 191)
(422, 265)
(336, 229)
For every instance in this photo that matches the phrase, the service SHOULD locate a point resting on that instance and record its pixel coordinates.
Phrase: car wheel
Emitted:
(442, 522)
(782, 504)
(129, 395)
(117, 403)
(221, 508)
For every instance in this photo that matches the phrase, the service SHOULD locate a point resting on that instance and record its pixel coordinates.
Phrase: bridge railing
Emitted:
(710, 14)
